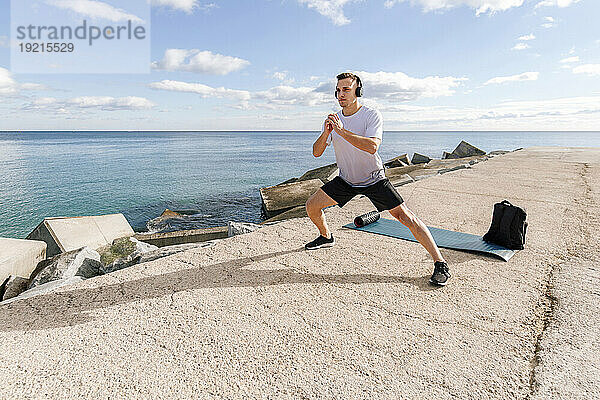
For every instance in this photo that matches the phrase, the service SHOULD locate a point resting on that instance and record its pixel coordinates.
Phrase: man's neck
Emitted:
(350, 109)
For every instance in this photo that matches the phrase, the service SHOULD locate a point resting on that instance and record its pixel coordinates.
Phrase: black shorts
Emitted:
(382, 193)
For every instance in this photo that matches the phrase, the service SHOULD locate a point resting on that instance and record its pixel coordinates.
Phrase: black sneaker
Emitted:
(319, 242)
(440, 274)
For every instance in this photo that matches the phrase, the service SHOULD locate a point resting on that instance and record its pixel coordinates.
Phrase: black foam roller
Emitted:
(366, 219)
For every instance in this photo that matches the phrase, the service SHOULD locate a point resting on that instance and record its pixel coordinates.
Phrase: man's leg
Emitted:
(314, 208)
(418, 229)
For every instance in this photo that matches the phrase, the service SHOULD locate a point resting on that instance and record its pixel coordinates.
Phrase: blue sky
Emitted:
(271, 65)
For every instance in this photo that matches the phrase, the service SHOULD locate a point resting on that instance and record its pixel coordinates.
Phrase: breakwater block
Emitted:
(19, 257)
(280, 198)
(163, 239)
(63, 234)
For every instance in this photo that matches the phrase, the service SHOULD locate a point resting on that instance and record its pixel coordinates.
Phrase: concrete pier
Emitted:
(257, 316)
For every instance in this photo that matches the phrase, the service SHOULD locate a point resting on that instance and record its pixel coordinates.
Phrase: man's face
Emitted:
(346, 91)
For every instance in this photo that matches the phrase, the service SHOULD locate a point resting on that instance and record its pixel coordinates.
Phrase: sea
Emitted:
(208, 177)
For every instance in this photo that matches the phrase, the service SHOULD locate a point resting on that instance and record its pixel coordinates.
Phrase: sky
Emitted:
(271, 65)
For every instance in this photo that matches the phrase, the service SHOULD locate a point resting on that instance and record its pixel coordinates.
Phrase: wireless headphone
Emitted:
(359, 88)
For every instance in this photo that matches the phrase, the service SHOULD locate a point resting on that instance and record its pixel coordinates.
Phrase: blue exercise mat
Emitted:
(443, 238)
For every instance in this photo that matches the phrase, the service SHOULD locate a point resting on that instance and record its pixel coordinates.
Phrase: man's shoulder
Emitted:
(371, 111)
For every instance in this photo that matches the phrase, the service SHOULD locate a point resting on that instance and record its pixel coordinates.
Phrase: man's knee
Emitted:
(318, 201)
(403, 214)
(312, 204)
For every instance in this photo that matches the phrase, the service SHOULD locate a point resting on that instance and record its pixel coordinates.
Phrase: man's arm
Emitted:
(320, 144)
(368, 144)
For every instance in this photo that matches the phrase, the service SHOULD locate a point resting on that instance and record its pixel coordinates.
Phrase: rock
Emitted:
(239, 228)
(497, 152)
(83, 262)
(280, 198)
(465, 149)
(169, 250)
(165, 220)
(447, 156)
(476, 160)
(120, 248)
(169, 214)
(15, 285)
(296, 212)
(450, 163)
(397, 172)
(400, 161)
(420, 159)
(400, 180)
(45, 288)
(455, 168)
(325, 174)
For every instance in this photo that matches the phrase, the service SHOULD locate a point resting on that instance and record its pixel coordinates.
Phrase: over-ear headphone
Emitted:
(359, 88)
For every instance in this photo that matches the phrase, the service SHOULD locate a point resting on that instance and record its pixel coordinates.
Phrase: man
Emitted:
(356, 132)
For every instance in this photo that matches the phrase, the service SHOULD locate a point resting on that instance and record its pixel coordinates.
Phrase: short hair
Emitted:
(345, 75)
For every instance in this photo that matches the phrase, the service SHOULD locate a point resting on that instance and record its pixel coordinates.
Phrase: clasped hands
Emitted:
(333, 122)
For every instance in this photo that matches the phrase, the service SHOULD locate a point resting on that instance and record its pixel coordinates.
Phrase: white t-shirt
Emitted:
(358, 167)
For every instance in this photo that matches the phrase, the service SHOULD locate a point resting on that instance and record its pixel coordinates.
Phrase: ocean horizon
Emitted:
(210, 176)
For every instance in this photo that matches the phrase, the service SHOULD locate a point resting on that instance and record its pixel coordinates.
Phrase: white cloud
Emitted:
(9, 86)
(570, 60)
(273, 97)
(202, 90)
(521, 46)
(399, 87)
(525, 76)
(387, 86)
(280, 75)
(549, 22)
(105, 103)
(203, 62)
(563, 106)
(288, 95)
(95, 9)
(527, 37)
(481, 6)
(550, 114)
(187, 6)
(332, 9)
(557, 3)
(589, 69)
(32, 86)
(283, 76)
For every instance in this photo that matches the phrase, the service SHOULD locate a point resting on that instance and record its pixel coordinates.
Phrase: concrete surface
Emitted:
(257, 316)
(63, 234)
(19, 257)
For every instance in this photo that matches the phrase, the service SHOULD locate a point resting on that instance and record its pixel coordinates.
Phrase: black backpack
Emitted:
(508, 226)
